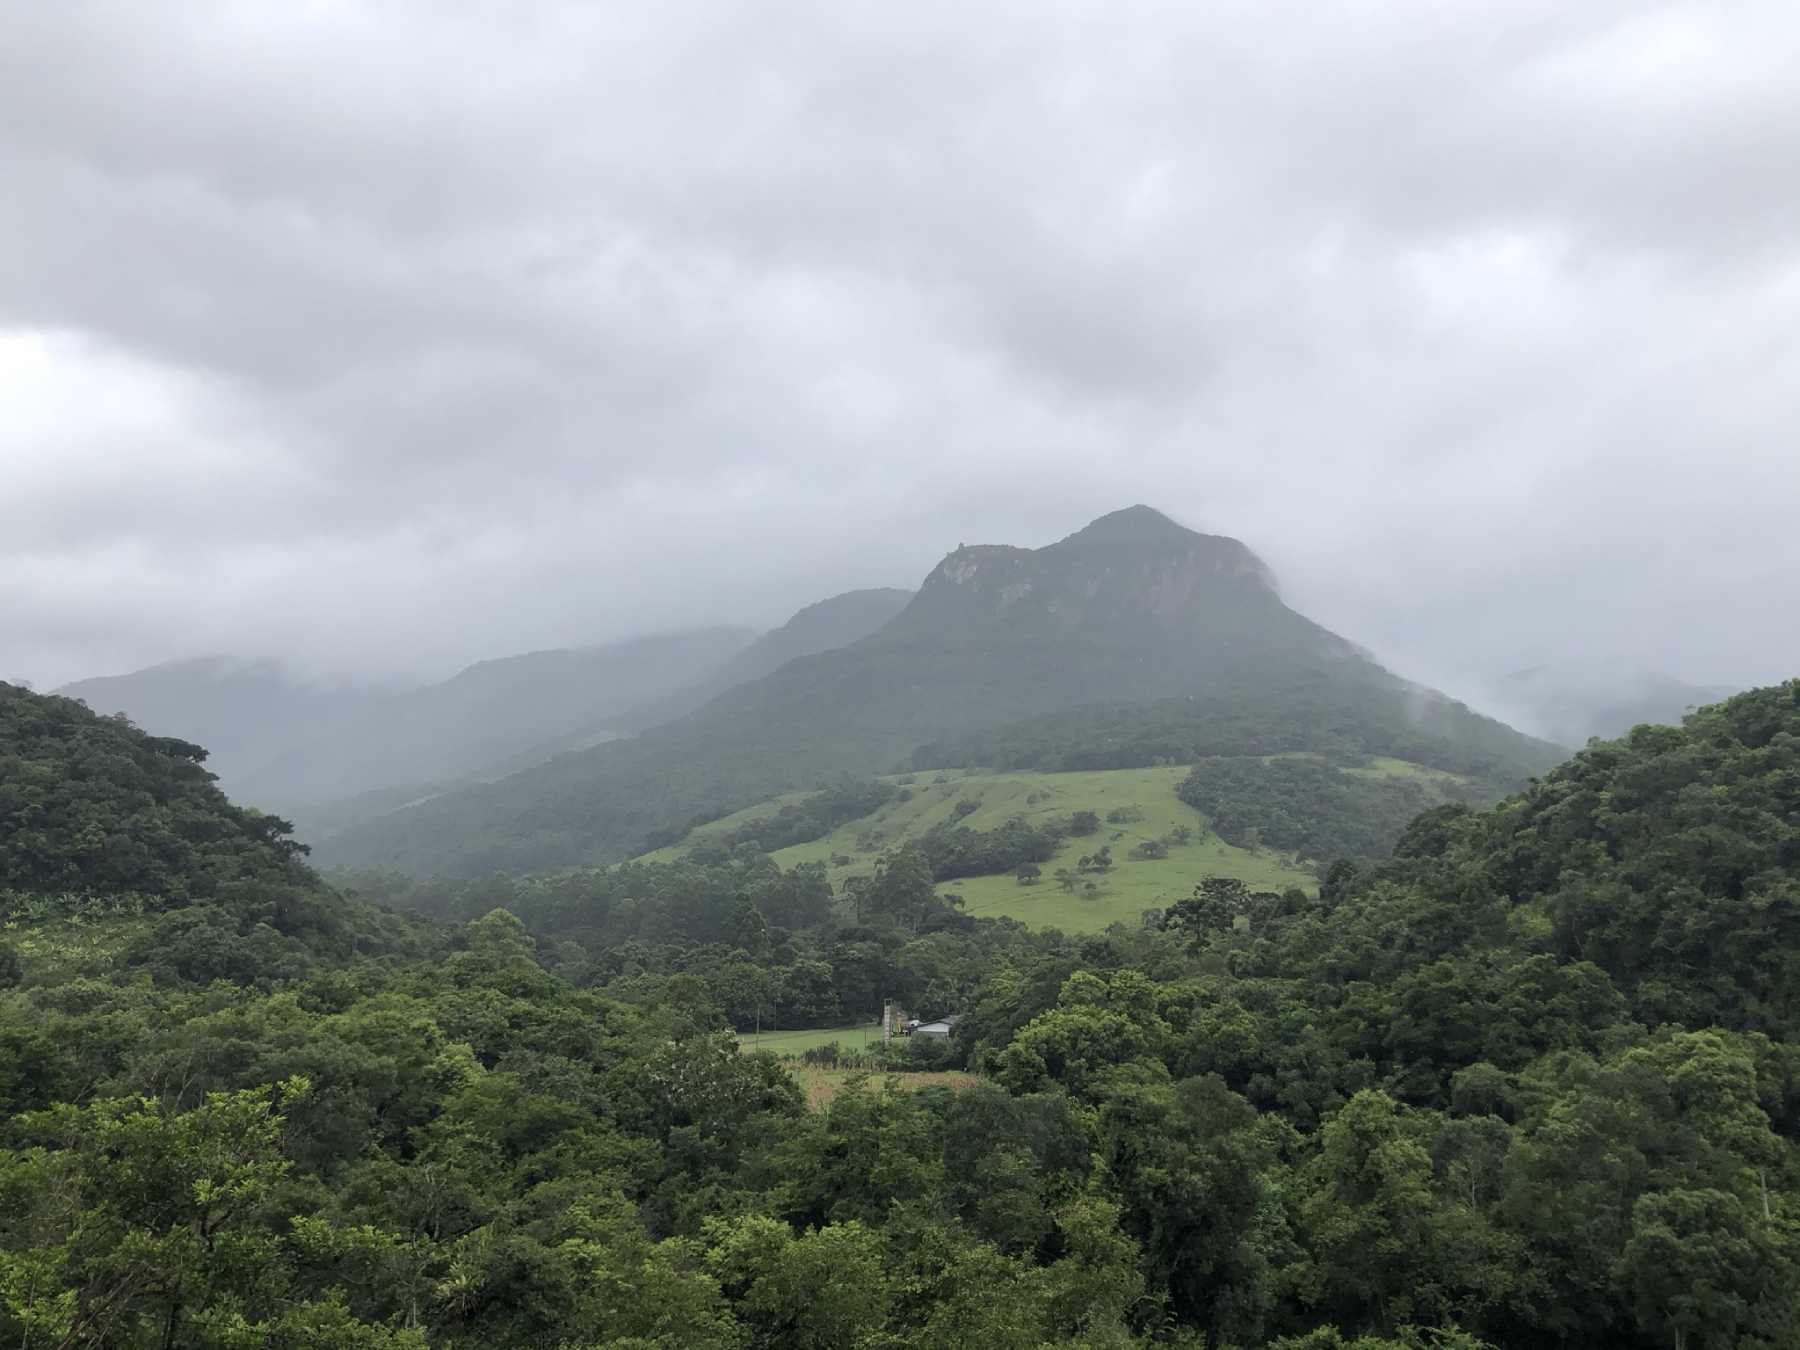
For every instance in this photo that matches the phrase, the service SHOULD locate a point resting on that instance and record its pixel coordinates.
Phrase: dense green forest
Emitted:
(1317, 714)
(1534, 1081)
(1312, 808)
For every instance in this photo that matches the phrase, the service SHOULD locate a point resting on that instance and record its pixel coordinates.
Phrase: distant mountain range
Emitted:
(1132, 612)
(279, 742)
(836, 622)
(332, 756)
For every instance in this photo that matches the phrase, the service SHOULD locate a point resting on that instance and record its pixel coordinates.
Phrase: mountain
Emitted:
(1133, 608)
(246, 713)
(285, 744)
(836, 622)
(1571, 706)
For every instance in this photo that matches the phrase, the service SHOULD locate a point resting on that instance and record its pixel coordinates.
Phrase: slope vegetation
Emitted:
(1132, 807)
(119, 843)
(1534, 1082)
(836, 622)
(90, 804)
(1133, 608)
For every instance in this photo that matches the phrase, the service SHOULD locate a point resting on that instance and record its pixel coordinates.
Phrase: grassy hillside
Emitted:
(1144, 799)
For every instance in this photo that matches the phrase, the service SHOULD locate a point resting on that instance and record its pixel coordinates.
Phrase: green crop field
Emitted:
(798, 1042)
(1143, 799)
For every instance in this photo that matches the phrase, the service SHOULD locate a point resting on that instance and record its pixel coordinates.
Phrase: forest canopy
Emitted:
(1532, 1082)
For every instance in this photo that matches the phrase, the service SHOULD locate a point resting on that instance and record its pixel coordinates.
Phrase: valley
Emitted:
(1133, 640)
(1276, 993)
(982, 676)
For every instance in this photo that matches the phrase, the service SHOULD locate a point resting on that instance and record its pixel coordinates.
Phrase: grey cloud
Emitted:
(388, 338)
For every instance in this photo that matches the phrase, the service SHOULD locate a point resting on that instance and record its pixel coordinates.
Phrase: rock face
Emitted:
(1185, 606)
(1125, 568)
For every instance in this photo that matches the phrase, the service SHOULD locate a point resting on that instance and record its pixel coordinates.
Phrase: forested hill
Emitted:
(1670, 858)
(100, 819)
(1534, 1083)
(1133, 608)
(1320, 713)
(90, 804)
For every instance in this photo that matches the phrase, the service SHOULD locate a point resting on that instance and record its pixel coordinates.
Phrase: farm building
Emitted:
(941, 1028)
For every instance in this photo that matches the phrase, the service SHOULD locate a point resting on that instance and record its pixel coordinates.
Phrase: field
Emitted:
(1133, 885)
(1144, 801)
(798, 1042)
(1381, 766)
(822, 1085)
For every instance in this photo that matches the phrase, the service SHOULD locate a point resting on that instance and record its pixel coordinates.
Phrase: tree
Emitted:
(1385, 1250)
(903, 889)
(748, 929)
(149, 1226)
(1189, 1167)
(1096, 1278)
(638, 1292)
(1706, 1271)
(824, 1289)
(1214, 907)
(1028, 873)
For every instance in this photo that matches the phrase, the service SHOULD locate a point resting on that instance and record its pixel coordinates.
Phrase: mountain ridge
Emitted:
(1130, 609)
(823, 625)
(288, 745)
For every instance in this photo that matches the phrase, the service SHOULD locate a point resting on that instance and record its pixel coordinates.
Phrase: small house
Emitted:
(940, 1028)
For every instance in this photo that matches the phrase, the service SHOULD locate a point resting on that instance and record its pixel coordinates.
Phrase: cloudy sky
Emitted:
(384, 337)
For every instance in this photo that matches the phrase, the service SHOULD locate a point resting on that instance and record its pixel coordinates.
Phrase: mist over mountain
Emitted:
(279, 742)
(539, 885)
(1132, 609)
(1570, 704)
(248, 714)
(819, 627)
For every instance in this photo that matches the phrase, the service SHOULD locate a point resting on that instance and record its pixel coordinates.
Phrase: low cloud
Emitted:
(379, 340)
